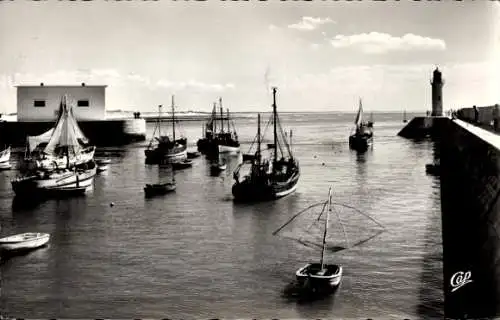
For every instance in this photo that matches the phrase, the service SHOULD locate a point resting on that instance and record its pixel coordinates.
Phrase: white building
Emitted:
(41, 103)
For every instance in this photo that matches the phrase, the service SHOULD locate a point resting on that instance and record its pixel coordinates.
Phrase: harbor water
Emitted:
(196, 254)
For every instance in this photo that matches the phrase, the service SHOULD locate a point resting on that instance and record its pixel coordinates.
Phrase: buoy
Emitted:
(323, 164)
(112, 204)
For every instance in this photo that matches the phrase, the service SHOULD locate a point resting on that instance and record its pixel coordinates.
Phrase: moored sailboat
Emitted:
(64, 144)
(362, 137)
(5, 158)
(269, 178)
(167, 150)
(224, 141)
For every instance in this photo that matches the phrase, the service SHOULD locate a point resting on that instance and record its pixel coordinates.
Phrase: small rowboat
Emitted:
(29, 240)
(159, 188)
(182, 164)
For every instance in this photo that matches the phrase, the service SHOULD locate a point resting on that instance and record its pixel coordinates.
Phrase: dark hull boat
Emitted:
(269, 178)
(362, 138)
(225, 141)
(167, 150)
(182, 164)
(159, 188)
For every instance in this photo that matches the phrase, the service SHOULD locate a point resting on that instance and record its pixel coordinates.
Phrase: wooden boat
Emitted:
(5, 165)
(24, 241)
(5, 155)
(225, 141)
(182, 164)
(161, 188)
(362, 138)
(269, 178)
(101, 162)
(218, 167)
(102, 167)
(321, 277)
(71, 178)
(433, 168)
(167, 150)
(193, 154)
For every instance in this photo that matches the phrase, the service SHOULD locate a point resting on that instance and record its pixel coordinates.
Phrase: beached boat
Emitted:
(321, 277)
(224, 141)
(72, 177)
(270, 177)
(166, 150)
(362, 137)
(24, 241)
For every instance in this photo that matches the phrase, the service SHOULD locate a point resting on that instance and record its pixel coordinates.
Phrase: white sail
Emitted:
(35, 141)
(67, 133)
(359, 116)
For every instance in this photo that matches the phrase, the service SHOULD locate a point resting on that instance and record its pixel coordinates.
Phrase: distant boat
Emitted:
(182, 164)
(404, 117)
(167, 150)
(218, 167)
(433, 168)
(102, 167)
(101, 161)
(269, 178)
(160, 188)
(362, 138)
(224, 141)
(24, 241)
(193, 154)
(321, 277)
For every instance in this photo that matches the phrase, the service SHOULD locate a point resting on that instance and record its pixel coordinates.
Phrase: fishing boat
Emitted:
(362, 137)
(167, 149)
(64, 144)
(224, 141)
(321, 277)
(160, 188)
(269, 177)
(24, 241)
(184, 164)
(404, 117)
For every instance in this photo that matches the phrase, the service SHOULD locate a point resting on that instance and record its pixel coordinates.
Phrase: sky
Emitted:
(321, 55)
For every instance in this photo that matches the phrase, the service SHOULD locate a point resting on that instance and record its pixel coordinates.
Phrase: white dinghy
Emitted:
(23, 241)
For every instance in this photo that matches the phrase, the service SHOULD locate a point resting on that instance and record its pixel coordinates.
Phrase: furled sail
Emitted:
(67, 133)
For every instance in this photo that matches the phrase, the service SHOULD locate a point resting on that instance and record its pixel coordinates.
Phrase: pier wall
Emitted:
(470, 189)
(100, 133)
(421, 127)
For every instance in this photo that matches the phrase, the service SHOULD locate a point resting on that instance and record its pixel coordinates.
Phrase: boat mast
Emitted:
(173, 119)
(326, 227)
(228, 123)
(159, 120)
(221, 116)
(274, 122)
(258, 138)
(214, 118)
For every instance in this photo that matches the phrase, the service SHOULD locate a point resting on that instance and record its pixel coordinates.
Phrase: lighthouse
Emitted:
(437, 93)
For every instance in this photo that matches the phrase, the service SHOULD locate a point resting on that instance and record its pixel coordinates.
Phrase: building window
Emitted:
(39, 103)
(83, 103)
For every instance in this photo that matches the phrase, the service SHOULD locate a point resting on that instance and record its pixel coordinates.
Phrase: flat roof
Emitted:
(61, 86)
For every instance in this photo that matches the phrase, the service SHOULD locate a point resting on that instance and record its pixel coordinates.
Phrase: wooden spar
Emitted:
(326, 227)
(258, 138)
(173, 119)
(296, 215)
(221, 116)
(275, 132)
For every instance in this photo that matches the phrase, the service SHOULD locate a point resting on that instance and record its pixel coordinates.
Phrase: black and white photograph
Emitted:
(257, 159)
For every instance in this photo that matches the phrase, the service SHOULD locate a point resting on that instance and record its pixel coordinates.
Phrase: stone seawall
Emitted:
(100, 133)
(470, 189)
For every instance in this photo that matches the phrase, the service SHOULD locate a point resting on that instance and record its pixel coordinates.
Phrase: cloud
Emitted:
(376, 42)
(310, 23)
(272, 27)
(196, 85)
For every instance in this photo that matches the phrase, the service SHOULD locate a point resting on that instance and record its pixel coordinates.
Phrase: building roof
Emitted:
(60, 86)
